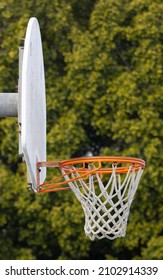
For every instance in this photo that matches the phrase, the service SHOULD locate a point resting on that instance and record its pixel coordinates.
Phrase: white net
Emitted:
(106, 206)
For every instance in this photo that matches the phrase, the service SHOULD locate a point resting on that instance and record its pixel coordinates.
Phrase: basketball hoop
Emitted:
(105, 187)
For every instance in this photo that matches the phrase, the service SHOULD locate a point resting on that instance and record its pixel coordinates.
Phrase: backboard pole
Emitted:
(8, 104)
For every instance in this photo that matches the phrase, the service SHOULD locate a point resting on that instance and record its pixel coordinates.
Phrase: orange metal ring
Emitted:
(136, 162)
(83, 170)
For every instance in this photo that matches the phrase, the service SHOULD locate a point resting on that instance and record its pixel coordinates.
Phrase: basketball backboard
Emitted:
(33, 103)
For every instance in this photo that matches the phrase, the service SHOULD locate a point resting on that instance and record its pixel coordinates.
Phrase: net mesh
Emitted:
(106, 204)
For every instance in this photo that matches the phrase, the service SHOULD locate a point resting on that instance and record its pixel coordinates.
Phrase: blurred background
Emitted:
(104, 90)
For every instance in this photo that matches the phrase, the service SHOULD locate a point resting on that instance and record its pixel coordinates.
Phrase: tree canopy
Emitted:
(104, 90)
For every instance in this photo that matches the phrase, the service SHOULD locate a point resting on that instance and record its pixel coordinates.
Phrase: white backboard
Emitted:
(33, 103)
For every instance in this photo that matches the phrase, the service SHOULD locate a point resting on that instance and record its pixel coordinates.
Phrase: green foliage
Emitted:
(104, 81)
(154, 249)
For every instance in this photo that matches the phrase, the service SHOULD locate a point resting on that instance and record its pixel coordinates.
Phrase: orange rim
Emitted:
(136, 162)
(68, 167)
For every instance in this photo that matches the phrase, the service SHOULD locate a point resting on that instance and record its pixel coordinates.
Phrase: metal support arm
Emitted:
(8, 104)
